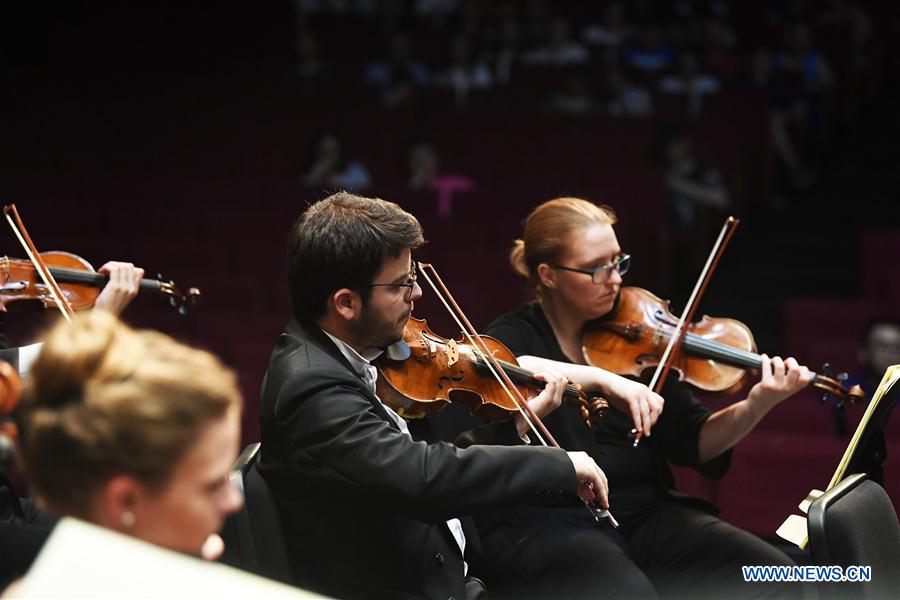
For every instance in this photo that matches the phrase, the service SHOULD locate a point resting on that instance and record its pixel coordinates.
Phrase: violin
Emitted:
(425, 372)
(79, 282)
(715, 353)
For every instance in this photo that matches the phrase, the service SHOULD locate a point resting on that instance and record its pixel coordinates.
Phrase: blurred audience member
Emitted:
(624, 98)
(560, 48)
(465, 71)
(573, 98)
(650, 53)
(694, 185)
(690, 82)
(308, 64)
(328, 166)
(508, 51)
(424, 175)
(435, 8)
(698, 203)
(399, 75)
(611, 32)
(721, 57)
(799, 82)
(879, 348)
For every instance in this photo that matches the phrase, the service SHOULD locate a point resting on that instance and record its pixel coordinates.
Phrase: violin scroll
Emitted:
(834, 387)
(181, 301)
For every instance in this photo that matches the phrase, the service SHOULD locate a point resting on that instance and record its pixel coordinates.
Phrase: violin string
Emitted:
(746, 358)
(720, 350)
(475, 348)
(690, 303)
(524, 375)
(662, 369)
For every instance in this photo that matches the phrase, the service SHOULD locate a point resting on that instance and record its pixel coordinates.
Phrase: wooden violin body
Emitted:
(714, 356)
(80, 284)
(633, 338)
(438, 370)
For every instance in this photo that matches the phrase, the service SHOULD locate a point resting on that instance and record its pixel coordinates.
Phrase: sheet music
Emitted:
(81, 560)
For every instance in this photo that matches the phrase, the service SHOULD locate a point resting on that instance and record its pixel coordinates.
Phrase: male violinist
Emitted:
(369, 512)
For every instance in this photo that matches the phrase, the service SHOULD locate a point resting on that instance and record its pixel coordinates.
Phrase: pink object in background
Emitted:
(446, 186)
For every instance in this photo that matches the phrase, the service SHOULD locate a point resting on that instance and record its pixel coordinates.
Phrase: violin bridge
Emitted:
(452, 353)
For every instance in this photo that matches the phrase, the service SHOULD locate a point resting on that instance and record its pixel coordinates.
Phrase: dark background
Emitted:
(173, 135)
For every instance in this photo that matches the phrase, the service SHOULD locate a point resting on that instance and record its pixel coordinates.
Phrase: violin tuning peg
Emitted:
(826, 369)
(842, 377)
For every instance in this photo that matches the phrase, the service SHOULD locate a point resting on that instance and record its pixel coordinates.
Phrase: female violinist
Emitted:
(24, 528)
(123, 286)
(572, 260)
(132, 431)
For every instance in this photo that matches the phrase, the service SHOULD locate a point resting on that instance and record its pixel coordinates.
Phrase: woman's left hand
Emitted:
(781, 379)
(122, 287)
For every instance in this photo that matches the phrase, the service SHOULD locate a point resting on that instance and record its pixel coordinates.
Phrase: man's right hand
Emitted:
(592, 484)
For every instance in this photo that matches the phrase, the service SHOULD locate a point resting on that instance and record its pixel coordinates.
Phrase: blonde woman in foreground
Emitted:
(132, 431)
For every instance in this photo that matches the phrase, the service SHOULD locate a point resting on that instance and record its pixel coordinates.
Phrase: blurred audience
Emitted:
(423, 164)
(466, 70)
(624, 98)
(328, 166)
(691, 82)
(398, 75)
(698, 203)
(879, 348)
(559, 50)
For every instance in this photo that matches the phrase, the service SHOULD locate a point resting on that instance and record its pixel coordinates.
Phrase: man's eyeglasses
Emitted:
(601, 274)
(409, 285)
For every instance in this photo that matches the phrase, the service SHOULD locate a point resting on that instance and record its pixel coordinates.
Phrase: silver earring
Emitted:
(128, 519)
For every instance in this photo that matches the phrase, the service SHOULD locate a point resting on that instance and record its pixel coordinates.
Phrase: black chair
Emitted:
(253, 536)
(855, 523)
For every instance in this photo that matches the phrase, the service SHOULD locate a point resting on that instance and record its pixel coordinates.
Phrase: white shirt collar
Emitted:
(357, 361)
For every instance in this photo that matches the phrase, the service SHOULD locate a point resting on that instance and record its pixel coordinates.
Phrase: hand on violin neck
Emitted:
(592, 485)
(122, 287)
(548, 400)
(780, 380)
(635, 399)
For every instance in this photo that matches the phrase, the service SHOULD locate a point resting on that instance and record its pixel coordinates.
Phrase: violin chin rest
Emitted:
(399, 350)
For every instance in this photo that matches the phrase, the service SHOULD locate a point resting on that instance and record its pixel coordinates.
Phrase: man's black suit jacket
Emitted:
(364, 507)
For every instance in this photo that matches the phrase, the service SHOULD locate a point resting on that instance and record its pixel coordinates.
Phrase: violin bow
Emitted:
(687, 315)
(446, 298)
(534, 422)
(15, 222)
